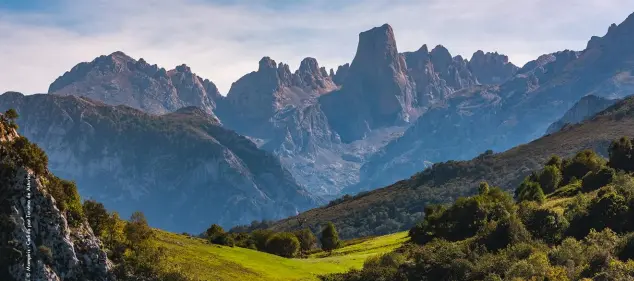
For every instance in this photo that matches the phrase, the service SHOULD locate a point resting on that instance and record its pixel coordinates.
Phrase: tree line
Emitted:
(285, 244)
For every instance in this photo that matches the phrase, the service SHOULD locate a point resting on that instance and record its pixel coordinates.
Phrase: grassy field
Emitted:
(204, 261)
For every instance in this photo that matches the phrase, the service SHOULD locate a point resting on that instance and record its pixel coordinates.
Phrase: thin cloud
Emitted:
(223, 41)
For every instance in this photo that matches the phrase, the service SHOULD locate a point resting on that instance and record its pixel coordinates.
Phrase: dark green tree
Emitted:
(530, 191)
(595, 180)
(621, 154)
(550, 178)
(11, 114)
(307, 239)
(283, 244)
(214, 230)
(555, 161)
(329, 238)
(583, 162)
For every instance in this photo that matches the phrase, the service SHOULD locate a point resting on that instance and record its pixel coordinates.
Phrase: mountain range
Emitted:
(280, 141)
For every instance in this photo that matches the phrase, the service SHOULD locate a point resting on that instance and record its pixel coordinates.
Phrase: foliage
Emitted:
(580, 229)
(329, 238)
(307, 239)
(621, 154)
(283, 244)
(97, 216)
(216, 235)
(595, 180)
(530, 191)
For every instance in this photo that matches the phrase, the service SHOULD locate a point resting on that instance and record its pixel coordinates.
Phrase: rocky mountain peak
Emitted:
(491, 68)
(618, 36)
(377, 83)
(266, 63)
(376, 46)
(441, 58)
(342, 72)
(118, 79)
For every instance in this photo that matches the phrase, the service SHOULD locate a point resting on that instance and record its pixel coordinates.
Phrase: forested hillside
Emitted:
(571, 220)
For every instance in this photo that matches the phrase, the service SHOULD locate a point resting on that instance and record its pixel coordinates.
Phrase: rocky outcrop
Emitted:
(118, 79)
(377, 85)
(491, 68)
(192, 173)
(584, 109)
(37, 240)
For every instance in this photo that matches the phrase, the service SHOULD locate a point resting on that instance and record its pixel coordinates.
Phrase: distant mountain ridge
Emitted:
(399, 206)
(182, 169)
(585, 108)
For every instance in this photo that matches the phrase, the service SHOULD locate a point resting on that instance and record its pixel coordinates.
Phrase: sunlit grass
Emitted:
(196, 258)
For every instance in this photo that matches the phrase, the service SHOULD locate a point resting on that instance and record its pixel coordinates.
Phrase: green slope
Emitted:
(198, 259)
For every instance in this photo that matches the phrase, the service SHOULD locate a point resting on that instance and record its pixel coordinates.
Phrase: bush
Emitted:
(30, 155)
(260, 237)
(283, 244)
(595, 180)
(626, 249)
(222, 239)
(45, 254)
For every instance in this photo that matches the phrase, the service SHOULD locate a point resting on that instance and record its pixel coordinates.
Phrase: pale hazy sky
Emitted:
(224, 39)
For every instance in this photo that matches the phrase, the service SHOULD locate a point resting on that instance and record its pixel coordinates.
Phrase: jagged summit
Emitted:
(118, 79)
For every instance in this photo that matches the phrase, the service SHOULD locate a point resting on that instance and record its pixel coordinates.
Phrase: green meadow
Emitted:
(198, 259)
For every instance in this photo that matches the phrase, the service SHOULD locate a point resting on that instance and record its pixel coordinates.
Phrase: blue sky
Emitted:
(224, 39)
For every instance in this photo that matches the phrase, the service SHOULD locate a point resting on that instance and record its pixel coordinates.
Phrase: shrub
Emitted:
(45, 254)
(283, 244)
(260, 237)
(626, 249)
(483, 188)
(595, 180)
(30, 155)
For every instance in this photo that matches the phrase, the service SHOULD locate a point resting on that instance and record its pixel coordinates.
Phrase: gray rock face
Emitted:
(117, 79)
(491, 68)
(182, 169)
(499, 117)
(376, 84)
(584, 109)
(342, 73)
(76, 253)
(257, 97)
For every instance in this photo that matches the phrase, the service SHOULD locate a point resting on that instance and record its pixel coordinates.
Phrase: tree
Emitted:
(11, 114)
(329, 238)
(97, 216)
(137, 230)
(283, 244)
(530, 191)
(260, 237)
(214, 230)
(483, 189)
(307, 239)
(584, 162)
(595, 180)
(621, 154)
(555, 161)
(550, 178)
